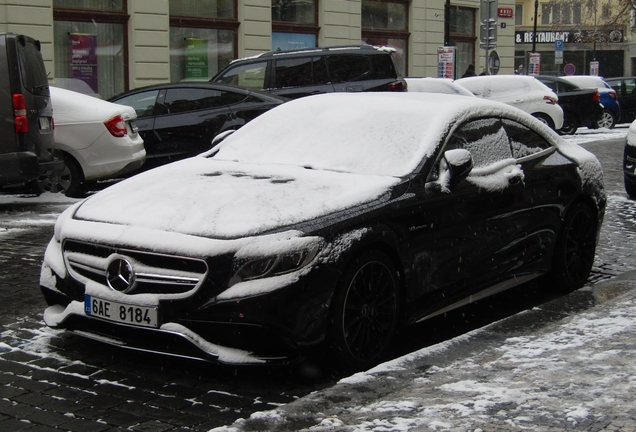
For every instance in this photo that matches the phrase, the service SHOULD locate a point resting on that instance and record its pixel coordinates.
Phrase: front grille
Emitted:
(154, 273)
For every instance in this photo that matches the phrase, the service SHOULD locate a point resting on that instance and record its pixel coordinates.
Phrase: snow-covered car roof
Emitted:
(501, 86)
(436, 85)
(74, 107)
(305, 159)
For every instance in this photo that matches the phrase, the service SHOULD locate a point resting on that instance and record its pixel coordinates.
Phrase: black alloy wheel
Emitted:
(575, 248)
(365, 311)
(68, 182)
(569, 127)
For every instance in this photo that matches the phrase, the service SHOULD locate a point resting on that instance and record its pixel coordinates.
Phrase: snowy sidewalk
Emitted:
(576, 373)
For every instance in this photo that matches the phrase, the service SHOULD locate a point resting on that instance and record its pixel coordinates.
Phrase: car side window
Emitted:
(249, 75)
(630, 87)
(299, 72)
(524, 141)
(180, 100)
(348, 68)
(143, 103)
(485, 139)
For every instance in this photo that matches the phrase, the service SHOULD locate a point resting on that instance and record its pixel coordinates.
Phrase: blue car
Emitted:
(609, 100)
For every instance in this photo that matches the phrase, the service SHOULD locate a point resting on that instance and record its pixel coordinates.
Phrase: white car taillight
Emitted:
(550, 100)
(116, 126)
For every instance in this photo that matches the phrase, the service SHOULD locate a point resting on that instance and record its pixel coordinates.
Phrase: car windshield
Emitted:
(587, 81)
(376, 134)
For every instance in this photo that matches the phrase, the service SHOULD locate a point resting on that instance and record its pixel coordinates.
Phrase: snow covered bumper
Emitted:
(181, 306)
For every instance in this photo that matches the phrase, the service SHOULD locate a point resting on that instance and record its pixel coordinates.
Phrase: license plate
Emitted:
(45, 123)
(121, 312)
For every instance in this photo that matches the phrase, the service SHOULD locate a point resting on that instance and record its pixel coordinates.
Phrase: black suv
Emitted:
(26, 129)
(310, 71)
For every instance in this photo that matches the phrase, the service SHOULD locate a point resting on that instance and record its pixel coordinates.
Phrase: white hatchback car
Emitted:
(435, 85)
(98, 140)
(520, 91)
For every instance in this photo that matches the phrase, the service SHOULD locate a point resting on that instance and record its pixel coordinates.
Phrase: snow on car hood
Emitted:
(221, 199)
(73, 107)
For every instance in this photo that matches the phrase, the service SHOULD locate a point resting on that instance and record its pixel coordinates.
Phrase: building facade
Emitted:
(105, 47)
(595, 36)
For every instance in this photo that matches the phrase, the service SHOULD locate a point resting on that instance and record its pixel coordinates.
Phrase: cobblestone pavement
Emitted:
(53, 381)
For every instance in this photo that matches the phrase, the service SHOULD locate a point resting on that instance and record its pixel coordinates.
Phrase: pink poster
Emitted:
(83, 61)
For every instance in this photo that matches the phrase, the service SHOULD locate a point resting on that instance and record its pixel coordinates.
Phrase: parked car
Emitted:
(306, 72)
(328, 222)
(520, 91)
(629, 161)
(180, 120)
(581, 106)
(27, 145)
(625, 88)
(436, 85)
(611, 107)
(98, 140)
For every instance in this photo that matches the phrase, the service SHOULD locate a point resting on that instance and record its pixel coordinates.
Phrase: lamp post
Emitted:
(534, 31)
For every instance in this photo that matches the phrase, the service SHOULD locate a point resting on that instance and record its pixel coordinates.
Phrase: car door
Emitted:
(478, 226)
(187, 121)
(626, 91)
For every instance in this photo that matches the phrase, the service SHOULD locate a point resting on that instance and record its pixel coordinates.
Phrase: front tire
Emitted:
(365, 311)
(608, 120)
(575, 249)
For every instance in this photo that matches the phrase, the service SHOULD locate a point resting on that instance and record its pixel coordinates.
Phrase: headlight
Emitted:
(245, 269)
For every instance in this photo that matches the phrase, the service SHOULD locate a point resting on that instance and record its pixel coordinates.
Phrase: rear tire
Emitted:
(575, 249)
(608, 120)
(569, 128)
(68, 182)
(365, 311)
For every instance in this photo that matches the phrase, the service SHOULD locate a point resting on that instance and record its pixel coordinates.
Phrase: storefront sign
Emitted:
(534, 63)
(83, 61)
(594, 68)
(196, 59)
(505, 12)
(579, 36)
(446, 62)
(292, 41)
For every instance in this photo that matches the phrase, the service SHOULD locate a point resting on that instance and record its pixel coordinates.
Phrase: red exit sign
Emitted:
(505, 12)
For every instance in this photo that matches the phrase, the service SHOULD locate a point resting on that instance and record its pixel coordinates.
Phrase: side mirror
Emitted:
(459, 163)
(220, 137)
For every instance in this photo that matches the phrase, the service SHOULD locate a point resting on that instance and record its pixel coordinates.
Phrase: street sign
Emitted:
(488, 11)
(488, 33)
(569, 69)
(558, 51)
(493, 63)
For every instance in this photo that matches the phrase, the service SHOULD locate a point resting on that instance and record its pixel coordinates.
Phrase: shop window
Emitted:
(202, 38)
(294, 24)
(385, 23)
(90, 46)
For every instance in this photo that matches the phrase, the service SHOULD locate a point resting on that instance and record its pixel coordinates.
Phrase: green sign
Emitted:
(196, 59)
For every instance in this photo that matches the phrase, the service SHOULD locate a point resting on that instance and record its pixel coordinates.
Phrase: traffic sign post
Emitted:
(558, 51)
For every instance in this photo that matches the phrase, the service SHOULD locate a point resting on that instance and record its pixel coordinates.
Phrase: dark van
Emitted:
(26, 125)
(310, 71)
